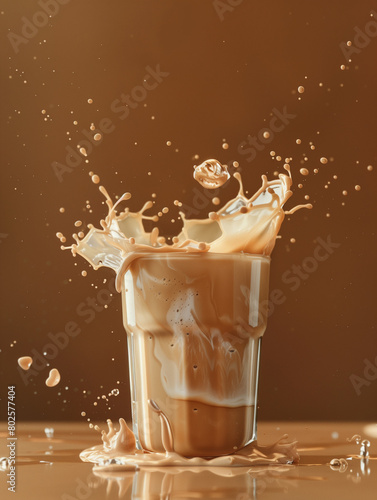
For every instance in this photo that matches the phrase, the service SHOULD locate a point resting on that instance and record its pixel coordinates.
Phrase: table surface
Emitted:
(50, 468)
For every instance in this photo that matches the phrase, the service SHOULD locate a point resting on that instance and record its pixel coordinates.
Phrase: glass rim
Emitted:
(199, 254)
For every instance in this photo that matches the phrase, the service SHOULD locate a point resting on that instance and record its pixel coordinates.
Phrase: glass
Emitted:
(194, 323)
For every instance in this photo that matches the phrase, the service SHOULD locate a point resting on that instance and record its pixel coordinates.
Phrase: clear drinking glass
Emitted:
(194, 323)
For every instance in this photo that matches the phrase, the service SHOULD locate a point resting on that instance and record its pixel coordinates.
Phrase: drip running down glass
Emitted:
(194, 324)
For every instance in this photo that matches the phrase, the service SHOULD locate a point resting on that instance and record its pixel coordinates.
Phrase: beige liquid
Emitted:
(194, 328)
(53, 378)
(194, 325)
(25, 362)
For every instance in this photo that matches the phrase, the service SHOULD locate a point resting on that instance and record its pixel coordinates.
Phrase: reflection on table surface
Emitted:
(48, 467)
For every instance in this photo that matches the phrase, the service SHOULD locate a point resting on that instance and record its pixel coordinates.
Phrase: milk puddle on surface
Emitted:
(118, 451)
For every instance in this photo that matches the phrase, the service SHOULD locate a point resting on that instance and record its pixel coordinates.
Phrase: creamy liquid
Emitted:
(242, 225)
(194, 327)
(53, 378)
(118, 451)
(211, 174)
(25, 362)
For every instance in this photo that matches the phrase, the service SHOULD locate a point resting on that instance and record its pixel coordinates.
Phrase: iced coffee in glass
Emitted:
(194, 324)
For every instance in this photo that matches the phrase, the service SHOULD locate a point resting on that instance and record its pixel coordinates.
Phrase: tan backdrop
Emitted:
(218, 70)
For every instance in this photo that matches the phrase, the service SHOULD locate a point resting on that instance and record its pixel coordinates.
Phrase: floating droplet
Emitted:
(53, 378)
(323, 160)
(301, 89)
(25, 362)
(304, 171)
(211, 174)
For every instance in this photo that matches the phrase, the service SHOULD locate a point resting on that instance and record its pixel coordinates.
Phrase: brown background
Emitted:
(225, 78)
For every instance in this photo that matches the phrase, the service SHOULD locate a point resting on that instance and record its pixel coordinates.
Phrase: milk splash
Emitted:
(119, 452)
(242, 225)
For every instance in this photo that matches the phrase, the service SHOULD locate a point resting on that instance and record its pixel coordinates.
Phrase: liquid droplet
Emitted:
(211, 174)
(53, 378)
(25, 362)
(364, 448)
(339, 464)
(49, 431)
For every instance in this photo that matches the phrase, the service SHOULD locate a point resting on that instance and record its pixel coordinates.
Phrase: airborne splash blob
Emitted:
(242, 225)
